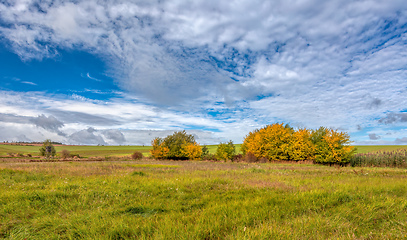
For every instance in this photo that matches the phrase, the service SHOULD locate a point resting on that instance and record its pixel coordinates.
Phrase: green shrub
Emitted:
(331, 146)
(178, 146)
(205, 152)
(210, 157)
(138, 173)
(226, 151)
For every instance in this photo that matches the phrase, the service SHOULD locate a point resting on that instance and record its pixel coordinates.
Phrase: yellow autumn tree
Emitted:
(159, 151)
(271, 142)
(331, 146)
(178, 146)
(281, 142)
(301, 147)
(192, 151)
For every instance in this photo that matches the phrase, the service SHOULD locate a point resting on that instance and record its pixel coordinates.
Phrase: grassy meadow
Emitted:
(151, 199)
(200, 200)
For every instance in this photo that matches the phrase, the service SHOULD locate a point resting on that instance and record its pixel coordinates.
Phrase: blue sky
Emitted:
(124, 72)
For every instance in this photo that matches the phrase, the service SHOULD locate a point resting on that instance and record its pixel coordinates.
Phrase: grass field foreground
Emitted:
(200, 200)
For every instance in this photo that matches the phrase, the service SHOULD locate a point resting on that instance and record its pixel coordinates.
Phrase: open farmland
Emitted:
(94, 151)
(86, 151)
(83, 151)
(376, 148)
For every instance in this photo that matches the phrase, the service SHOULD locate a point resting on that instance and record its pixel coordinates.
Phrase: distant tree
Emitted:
(47, 149)
(226, 151)
(178, 146)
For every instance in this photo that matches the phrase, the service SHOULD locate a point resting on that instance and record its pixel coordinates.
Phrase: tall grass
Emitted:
(200, 200)
(396, 158)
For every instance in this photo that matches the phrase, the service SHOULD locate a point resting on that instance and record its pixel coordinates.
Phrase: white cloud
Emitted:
(310, 63)
(119, 121)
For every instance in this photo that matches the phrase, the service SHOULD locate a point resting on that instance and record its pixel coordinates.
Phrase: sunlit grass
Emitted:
(376, 148)
(200, 200)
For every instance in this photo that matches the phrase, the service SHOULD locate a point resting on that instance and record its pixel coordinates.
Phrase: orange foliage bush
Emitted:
(178, 146)
(271, 142)
(159, 151)
(301, 147)
(192, 151)
(332, 146)
(281, 142)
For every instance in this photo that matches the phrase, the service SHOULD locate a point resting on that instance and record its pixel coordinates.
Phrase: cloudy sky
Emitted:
(124, 72)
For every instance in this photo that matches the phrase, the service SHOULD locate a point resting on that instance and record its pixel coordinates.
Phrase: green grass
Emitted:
(200, 200)
(83, 151)
(90, 151)
(212, 148)
(375, 148)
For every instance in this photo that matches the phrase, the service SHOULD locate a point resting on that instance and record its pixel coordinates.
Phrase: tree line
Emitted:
(275, 142)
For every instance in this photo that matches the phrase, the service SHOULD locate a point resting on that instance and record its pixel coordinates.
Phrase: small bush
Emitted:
(137, 155)
(263, 160)
(238, 158)
(210, 157)
(226, 151)
(138, 173)
(249, 157)
(193, 151)
(65, 154)
(205, 152)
